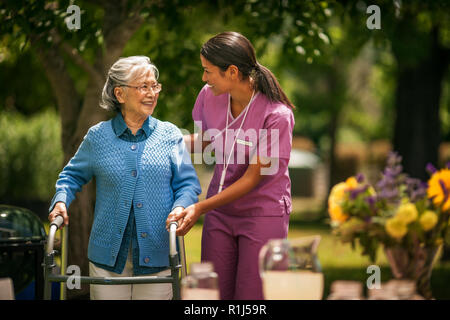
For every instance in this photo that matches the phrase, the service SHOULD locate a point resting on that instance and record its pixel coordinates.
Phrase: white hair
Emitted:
(122, 72)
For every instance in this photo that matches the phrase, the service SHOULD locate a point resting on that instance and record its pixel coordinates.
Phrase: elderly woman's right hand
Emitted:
(59, 210)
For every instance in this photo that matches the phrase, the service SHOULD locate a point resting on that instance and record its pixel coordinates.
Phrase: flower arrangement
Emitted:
(408, 217)
(398, 211)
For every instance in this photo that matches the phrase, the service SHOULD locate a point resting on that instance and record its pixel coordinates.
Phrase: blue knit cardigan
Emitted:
(154, 175)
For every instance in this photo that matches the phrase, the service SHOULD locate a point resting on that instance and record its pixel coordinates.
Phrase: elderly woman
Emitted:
(143, 172)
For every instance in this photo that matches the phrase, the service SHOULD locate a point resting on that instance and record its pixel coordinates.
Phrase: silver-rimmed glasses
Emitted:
(145, 88)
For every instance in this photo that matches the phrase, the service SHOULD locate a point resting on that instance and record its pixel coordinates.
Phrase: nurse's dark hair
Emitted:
(232, 48)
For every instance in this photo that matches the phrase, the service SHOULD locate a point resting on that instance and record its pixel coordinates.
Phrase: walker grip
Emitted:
(58, 221)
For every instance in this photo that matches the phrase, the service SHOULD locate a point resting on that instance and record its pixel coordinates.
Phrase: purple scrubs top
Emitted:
(267, 132)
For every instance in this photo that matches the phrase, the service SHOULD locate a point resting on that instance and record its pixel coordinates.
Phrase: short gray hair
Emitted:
(122, 72)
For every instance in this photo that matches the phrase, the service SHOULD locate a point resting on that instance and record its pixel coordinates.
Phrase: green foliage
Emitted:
(30, 155)
(26, 89)
(302, 24)
(173, 44)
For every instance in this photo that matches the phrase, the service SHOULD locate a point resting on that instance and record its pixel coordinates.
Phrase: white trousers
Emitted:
(153, 291)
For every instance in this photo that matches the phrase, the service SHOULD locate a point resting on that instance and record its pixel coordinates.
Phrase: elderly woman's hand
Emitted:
(59, 210)
(176, 215)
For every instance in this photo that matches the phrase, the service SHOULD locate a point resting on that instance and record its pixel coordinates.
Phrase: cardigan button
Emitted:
(147, 260)
(133, 147)
(139, 205)
(134, 173)
(144, 234)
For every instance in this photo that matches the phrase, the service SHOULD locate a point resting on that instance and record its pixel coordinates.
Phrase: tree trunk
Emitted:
(336, 86)
(417, 132)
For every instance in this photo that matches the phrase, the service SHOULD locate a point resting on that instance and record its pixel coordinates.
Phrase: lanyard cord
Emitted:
(226, 163)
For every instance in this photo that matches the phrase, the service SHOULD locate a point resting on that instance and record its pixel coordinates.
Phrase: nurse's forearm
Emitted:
(241, 187)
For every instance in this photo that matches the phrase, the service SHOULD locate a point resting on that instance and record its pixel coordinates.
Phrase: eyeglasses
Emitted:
(144, 89)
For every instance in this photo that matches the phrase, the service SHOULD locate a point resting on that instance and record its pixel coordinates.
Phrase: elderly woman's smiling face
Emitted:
(139, 97)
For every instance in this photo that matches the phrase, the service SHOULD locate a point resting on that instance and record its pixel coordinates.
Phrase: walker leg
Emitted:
(174, 266)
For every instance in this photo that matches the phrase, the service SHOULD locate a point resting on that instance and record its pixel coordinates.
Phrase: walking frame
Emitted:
(177, 261)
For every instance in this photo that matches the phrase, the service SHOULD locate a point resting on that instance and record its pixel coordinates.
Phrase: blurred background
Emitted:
(364, 82)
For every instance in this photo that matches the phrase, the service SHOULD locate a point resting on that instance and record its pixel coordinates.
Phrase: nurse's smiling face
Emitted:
(218, 80)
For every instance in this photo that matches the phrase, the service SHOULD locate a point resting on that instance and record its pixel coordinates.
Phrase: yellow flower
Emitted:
(428, 220)
(336, 214)
(435, 190)
(396, 228)
(407, 213)
(351, 183)
(337, 193)
(337, 196)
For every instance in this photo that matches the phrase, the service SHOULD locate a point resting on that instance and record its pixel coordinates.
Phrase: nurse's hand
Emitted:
(176, 215)
(191, 215)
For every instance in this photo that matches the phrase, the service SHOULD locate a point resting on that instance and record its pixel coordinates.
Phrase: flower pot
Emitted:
(413, 264)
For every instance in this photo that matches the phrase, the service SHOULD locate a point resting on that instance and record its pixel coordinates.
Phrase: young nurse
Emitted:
(247, 120)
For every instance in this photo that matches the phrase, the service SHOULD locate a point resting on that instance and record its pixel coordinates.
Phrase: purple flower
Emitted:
(388, 194)
(371, 200)
(393, 171)
(385, 182)
(360, 177)
(444, 190)
(431, 169)
(393, 159)
(424, 185)
(356, 192)
(415, 189)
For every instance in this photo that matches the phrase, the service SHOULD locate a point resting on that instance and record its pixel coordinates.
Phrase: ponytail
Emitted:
(267, 83)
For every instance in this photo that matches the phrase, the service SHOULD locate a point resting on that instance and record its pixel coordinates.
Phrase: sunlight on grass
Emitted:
(332, 253)
(192, 242)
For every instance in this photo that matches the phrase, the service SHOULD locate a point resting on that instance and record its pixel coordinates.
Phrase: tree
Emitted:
(417, 34)
(422, 61)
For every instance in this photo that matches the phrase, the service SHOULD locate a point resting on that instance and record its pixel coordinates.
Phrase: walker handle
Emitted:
(54, 226)
(173, 237)
(58, 221)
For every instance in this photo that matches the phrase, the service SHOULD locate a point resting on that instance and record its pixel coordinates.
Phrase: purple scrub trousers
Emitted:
(232, 244)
